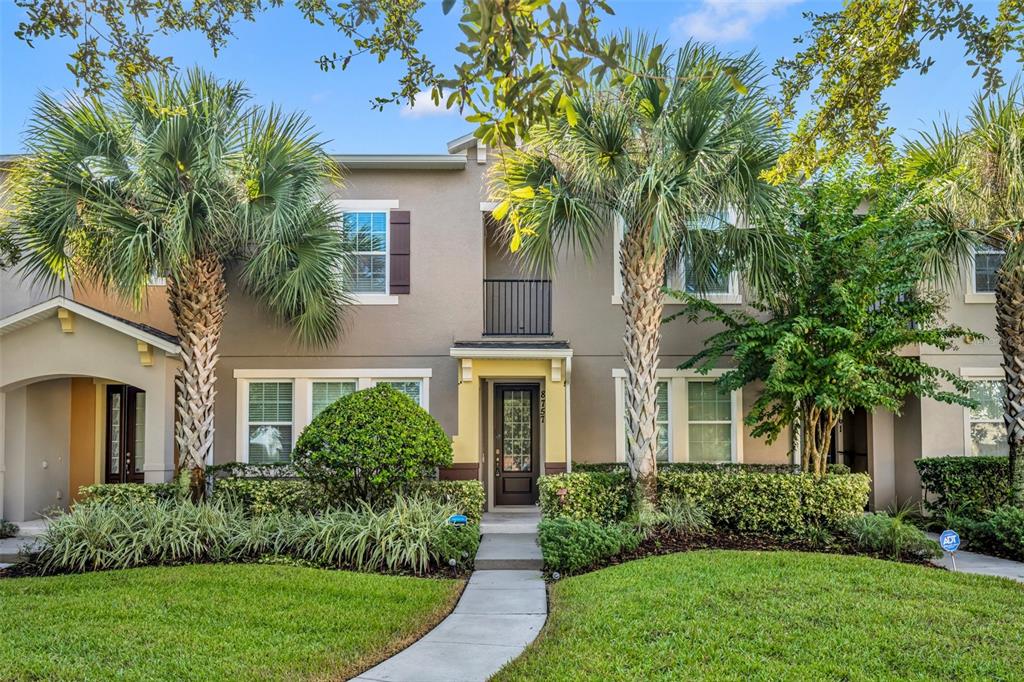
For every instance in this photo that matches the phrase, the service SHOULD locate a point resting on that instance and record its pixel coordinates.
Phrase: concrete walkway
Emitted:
(501, 610)
(28, 533)
(982, 564)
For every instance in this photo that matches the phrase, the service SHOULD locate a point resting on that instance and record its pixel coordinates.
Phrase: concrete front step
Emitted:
(514, 520)
(509, 551)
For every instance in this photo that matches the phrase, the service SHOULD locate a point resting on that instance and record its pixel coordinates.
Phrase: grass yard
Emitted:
(728, 615)
(211, 622)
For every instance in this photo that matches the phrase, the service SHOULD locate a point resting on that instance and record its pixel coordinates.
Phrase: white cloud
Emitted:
(425, 106)
(726, 21)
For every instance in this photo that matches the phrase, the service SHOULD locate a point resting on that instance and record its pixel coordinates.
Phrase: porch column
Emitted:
(466, 443)
(882, 458)
(555, 419)
(159, 464)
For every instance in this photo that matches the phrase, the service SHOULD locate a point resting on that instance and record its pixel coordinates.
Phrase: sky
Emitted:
(275, 56)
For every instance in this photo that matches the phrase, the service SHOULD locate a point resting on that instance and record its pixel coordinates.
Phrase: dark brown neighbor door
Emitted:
(516, 443)
(126, 434)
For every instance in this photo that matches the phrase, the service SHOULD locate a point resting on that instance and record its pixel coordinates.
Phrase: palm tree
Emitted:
(668, 148)
(185, 178)
(975, 179)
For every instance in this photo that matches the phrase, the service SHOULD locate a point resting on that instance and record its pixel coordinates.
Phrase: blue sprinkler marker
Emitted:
(949, 540)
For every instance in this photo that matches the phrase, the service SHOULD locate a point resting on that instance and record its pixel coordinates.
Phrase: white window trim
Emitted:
(302, 393)
(242, 415)
(973, 295)
(679, 424)
(733, 297)
(977, 374)
(385, 205)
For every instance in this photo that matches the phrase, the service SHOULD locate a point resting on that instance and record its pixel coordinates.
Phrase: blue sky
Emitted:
(275, 57)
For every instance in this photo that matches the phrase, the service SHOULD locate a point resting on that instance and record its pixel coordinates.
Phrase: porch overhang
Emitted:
(508, 350)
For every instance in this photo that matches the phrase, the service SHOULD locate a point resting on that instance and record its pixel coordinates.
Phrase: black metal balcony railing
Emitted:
(517, 307)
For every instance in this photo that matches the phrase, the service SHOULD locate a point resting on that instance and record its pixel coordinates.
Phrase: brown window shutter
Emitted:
(399, 252)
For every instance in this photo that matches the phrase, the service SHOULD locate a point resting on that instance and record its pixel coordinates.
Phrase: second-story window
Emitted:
(367, 232)
(986, 269)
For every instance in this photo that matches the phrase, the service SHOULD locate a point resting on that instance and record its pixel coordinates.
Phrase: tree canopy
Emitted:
(855, 294)
(848, 58)
(518, 56)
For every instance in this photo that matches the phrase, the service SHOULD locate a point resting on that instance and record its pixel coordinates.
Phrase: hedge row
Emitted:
(259, 496)
(965, 485)
(734, 499)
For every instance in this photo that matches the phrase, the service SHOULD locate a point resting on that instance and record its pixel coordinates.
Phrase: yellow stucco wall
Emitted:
(82, 444)
(467, 443)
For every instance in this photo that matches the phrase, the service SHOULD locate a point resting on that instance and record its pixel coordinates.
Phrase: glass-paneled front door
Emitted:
(126, 434)
(517, 443)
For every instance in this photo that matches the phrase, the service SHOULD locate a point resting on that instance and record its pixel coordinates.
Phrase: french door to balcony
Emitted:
(126, 434)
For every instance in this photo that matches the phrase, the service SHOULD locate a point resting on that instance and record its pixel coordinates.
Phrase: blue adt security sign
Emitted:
(949, 540)
(458, 520)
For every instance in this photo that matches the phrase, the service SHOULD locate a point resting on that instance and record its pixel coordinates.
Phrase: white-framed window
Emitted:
(697, 422)
(985, 269)
(367, 226)
(275, 405)
(662, 422)
(722, 289)
(709, 422)
(367, 232)
(326, 392)
(269, 422)
(985, 430)
(411, 387)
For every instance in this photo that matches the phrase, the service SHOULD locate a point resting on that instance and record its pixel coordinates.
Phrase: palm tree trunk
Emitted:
(1010, 329)
(197, 297)
(643, 275)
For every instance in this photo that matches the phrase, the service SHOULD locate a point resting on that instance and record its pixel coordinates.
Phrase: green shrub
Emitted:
(571, 545)
(683, 515)
(891, 536)
(410, 535)
(270, 495)
(467, 497)
(370, 445)
(247, 470)
(583, 467)
(732, 498)
(1006, 527)
(597, 495)
(767, 503)
(7, 529)
(128, 493)
(965, 485)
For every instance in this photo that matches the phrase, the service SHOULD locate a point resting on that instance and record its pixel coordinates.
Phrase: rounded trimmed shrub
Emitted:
(371, 445)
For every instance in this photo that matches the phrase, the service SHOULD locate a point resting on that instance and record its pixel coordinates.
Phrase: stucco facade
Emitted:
(433, 341)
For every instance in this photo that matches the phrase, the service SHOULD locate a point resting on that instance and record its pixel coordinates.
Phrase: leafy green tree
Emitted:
(183, 177)
(850, 57)
(517, 55)
(975, 182)
(667, 147)
(831, 339)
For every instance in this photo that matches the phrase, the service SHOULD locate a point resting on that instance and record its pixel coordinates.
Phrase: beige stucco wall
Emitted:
(38, 358)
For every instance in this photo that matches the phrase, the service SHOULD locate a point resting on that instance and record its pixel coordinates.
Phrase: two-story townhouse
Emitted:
(524, 370)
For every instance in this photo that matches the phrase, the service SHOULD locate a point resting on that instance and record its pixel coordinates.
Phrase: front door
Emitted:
(126, 434)
(516, 440)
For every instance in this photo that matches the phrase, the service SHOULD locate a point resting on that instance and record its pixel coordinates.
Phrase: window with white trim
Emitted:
(718, 283)
(326, 392)
(709, 417)
(986, 269)
(411, 387)
(367, 233)
(986, 429)
(270, 421)
(661, 422)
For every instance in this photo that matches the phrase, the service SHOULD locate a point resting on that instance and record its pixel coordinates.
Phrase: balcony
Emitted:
(517, 307)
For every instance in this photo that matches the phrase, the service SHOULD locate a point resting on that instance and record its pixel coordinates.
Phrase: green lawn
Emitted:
(211, 622)
(724, 615)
